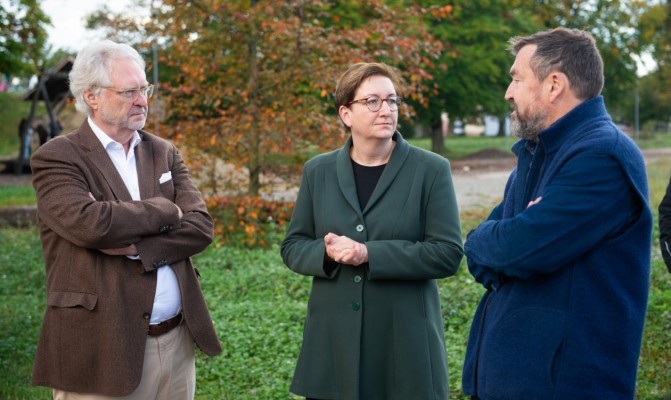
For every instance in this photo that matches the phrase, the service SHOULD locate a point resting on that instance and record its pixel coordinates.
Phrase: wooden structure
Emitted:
(53, 89)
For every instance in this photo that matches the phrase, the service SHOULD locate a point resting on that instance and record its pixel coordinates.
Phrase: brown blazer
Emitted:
(98, 306)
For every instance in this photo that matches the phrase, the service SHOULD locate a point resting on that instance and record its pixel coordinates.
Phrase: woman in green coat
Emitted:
(375, 224)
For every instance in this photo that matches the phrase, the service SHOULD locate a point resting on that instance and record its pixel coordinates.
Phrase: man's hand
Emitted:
(531, 203)
(345, 250)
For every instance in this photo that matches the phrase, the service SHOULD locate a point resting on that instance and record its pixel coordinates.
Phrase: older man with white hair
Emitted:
(119, 218)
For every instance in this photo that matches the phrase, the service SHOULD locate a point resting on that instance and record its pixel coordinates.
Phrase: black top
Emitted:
(366, 179)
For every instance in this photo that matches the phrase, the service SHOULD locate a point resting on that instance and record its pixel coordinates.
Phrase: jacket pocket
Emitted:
(521, 355)
(72, 299)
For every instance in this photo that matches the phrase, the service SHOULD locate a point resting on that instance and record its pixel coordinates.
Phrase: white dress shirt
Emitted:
(167, 300)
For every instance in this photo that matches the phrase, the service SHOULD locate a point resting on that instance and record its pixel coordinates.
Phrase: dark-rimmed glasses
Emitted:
(132, 94)
(374, 103)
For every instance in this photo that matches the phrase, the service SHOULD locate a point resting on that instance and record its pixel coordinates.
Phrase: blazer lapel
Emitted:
(144, 161)
(102, 162)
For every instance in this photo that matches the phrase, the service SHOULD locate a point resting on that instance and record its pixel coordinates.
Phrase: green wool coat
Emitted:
(375, 331)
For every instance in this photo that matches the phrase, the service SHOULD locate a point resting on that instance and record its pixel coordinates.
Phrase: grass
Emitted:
(17, 195)
(258, 306)
(457, 147)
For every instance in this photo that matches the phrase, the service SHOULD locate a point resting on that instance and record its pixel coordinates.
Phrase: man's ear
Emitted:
(345, 115)
(557, 84)
(91, 99)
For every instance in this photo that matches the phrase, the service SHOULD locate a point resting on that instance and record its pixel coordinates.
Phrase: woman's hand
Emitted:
(344, 250)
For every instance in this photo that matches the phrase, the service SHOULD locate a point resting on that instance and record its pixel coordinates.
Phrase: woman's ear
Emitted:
(345, 115)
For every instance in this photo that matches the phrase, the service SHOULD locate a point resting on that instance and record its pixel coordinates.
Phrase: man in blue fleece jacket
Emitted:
(565, 257)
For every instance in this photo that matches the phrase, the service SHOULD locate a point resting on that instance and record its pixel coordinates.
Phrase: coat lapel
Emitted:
(100, 159)
(346, 174)
(346, 177)
(146, 177)
(396, 161)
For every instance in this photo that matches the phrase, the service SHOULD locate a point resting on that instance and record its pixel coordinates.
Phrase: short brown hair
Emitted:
(355, 75)
(570, 51)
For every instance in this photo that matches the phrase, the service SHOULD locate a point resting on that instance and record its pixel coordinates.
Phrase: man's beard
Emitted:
(527, 127)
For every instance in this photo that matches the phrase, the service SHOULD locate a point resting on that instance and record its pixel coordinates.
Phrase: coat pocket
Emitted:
(72, 299)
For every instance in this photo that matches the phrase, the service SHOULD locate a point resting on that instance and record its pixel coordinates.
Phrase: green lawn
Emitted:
(258, 306)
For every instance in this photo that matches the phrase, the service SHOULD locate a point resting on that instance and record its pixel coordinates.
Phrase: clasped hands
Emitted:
(344, 250)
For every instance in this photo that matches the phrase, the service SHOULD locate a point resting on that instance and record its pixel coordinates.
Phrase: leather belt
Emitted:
(165, 326)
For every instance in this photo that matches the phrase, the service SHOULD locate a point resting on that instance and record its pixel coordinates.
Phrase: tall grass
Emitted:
(258, 306)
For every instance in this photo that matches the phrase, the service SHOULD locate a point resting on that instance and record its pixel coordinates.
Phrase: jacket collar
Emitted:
(346, 174)
(567, 127)
(95, 151)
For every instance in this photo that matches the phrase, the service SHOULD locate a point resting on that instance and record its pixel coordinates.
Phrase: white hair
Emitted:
(92, 67)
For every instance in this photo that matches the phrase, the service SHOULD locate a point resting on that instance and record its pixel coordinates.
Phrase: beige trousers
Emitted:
(168, 373)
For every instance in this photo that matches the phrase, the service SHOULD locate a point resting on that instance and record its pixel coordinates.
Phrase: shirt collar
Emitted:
(106, 140)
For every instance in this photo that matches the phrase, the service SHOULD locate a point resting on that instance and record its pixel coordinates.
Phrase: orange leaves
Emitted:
(248, 221)
(442, 12)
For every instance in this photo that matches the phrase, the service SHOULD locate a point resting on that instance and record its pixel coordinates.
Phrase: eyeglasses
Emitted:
(133, 94)
(374, 103)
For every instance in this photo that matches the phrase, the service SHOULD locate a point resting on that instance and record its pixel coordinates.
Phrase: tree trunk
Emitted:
(437, 142)
(254, 149)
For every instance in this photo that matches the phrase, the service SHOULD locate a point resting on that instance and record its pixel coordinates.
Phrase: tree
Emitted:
(23, 37)
(473, 71)
(655, 89)
(615, 25)
(253, 80)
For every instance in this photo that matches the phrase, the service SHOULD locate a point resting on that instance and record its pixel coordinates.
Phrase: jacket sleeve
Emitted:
(665, 227)
(64, 203)
(194, 231)
(439, 251)
(302, 251)
(589, 200)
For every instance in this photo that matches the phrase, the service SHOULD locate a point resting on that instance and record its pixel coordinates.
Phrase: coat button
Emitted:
(359, 228)
(357, 279)
(146, 316)
(356, 306)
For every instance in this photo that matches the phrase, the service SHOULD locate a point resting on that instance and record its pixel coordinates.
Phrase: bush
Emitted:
(248, 221)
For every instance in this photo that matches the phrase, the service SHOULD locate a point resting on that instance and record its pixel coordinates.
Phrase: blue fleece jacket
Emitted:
(567, 278)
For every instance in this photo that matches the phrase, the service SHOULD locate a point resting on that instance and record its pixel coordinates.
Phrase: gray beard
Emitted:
(528, 128)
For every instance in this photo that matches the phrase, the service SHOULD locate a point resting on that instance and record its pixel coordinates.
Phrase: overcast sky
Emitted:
(68, 20)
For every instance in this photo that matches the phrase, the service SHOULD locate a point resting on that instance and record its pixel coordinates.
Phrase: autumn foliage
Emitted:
(251, 82)
(246, 91)
(248, 221)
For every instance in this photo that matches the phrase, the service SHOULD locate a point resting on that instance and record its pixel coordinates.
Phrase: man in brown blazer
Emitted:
(119, 218)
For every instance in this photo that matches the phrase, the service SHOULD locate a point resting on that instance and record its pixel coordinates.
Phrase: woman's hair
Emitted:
(572, 52)
(92, 67)
(355, 75)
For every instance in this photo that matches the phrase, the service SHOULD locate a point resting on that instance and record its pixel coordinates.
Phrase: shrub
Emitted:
(248, 221)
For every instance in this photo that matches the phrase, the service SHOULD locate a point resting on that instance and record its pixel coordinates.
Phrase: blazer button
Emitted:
(357, 279)
(146, 316)
(356, 306)
(359, 228)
